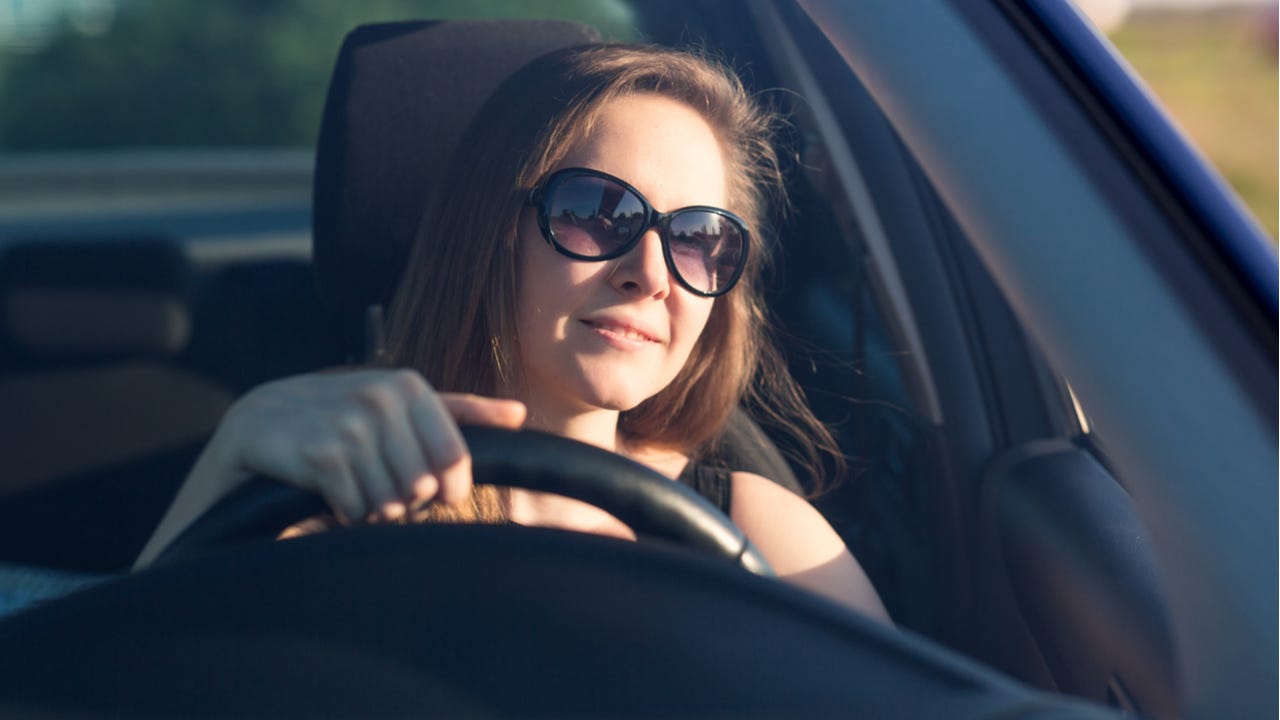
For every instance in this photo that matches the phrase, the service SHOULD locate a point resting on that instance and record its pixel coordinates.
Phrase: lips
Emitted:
(622, 329)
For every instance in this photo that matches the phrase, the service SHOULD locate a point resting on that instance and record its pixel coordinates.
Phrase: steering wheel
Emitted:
(650, 504)
(459, 621)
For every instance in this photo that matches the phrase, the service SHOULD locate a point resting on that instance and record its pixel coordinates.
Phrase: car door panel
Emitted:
(1067, 556)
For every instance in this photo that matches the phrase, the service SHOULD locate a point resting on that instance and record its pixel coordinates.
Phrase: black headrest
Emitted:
(79, 300)
(401, 97)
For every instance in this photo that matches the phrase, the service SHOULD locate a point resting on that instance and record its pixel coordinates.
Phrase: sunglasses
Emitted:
(589, 215)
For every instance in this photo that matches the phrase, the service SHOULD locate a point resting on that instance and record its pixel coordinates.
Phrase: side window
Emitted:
(842, 348)
(851, 339)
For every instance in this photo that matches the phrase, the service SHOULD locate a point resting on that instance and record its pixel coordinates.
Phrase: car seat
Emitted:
(99, 422)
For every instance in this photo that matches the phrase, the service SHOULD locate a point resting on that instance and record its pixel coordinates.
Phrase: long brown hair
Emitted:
(453, 318)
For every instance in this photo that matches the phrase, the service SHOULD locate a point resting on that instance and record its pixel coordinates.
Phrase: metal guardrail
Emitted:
(63, 185)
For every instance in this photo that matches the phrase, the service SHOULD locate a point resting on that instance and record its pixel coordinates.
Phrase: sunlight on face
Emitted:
(608, 335)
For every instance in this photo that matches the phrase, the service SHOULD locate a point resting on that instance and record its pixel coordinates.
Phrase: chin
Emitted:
(614, 395)
(617, 388)
(614, 400)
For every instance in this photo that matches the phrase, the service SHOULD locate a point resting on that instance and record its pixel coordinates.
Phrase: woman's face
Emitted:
(611, 334)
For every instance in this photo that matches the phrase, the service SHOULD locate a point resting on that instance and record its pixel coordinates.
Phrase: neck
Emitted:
(594, 426)
(566, 417)
(597, 427)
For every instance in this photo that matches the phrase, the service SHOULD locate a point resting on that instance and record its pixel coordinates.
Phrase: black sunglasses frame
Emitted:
(652, 218)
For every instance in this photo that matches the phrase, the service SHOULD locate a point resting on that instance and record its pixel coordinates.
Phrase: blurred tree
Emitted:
(1215, 72)
(202, 74)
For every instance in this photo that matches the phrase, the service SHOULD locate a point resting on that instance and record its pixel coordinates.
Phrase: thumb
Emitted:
(477, 410)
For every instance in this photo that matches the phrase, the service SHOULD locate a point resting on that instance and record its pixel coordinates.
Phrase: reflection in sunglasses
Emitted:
(589, 215)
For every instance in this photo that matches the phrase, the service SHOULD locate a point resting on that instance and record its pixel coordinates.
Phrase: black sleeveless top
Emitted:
(710, 482)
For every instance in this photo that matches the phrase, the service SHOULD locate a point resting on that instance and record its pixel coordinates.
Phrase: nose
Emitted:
(643, 271)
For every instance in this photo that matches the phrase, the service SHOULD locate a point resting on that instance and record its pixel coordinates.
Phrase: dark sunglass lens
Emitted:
(592, 216)
(706, 248)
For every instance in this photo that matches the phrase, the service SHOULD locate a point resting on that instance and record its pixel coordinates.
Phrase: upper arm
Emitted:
(800, 545)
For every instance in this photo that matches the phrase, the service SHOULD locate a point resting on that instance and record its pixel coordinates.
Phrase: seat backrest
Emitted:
(95, 404)
(89, 334)
(400, 99)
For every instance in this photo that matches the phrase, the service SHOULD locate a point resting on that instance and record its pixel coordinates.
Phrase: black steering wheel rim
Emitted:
(652, 505)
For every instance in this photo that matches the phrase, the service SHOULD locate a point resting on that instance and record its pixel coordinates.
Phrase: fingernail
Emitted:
(393, 510)
(426, 486)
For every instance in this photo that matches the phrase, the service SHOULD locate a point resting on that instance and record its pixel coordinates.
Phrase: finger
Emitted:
(329, 475)
(448, 461)
(477, 410)
(361, 441)
(384, 398)
(403, 455)
(454, 482)
(376, 485)
(425, 488)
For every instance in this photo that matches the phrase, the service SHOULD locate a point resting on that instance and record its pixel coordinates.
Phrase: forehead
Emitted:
(663, 147)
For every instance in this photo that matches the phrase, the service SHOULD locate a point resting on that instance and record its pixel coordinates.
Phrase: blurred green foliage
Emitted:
(223, 73)
(1215, 72)
(219, 73)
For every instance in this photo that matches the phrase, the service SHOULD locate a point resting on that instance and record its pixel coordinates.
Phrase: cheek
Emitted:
(549, 281)
(537, 272)
(531, 294)
(694, 319)
(527, 258)
(549, 286)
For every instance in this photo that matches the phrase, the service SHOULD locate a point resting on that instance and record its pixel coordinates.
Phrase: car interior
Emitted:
(978, 502)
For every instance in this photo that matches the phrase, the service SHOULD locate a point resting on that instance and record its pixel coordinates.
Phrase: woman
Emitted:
(594, 267)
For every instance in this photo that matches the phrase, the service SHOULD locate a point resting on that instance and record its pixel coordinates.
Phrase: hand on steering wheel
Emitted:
(368, 441)
(652, 505)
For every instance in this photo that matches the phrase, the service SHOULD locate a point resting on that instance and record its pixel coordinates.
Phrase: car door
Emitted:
(1134, 563)
(1090, 342)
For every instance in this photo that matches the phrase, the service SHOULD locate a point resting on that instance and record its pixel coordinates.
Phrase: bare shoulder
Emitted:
(767, 511)
(802, 547)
